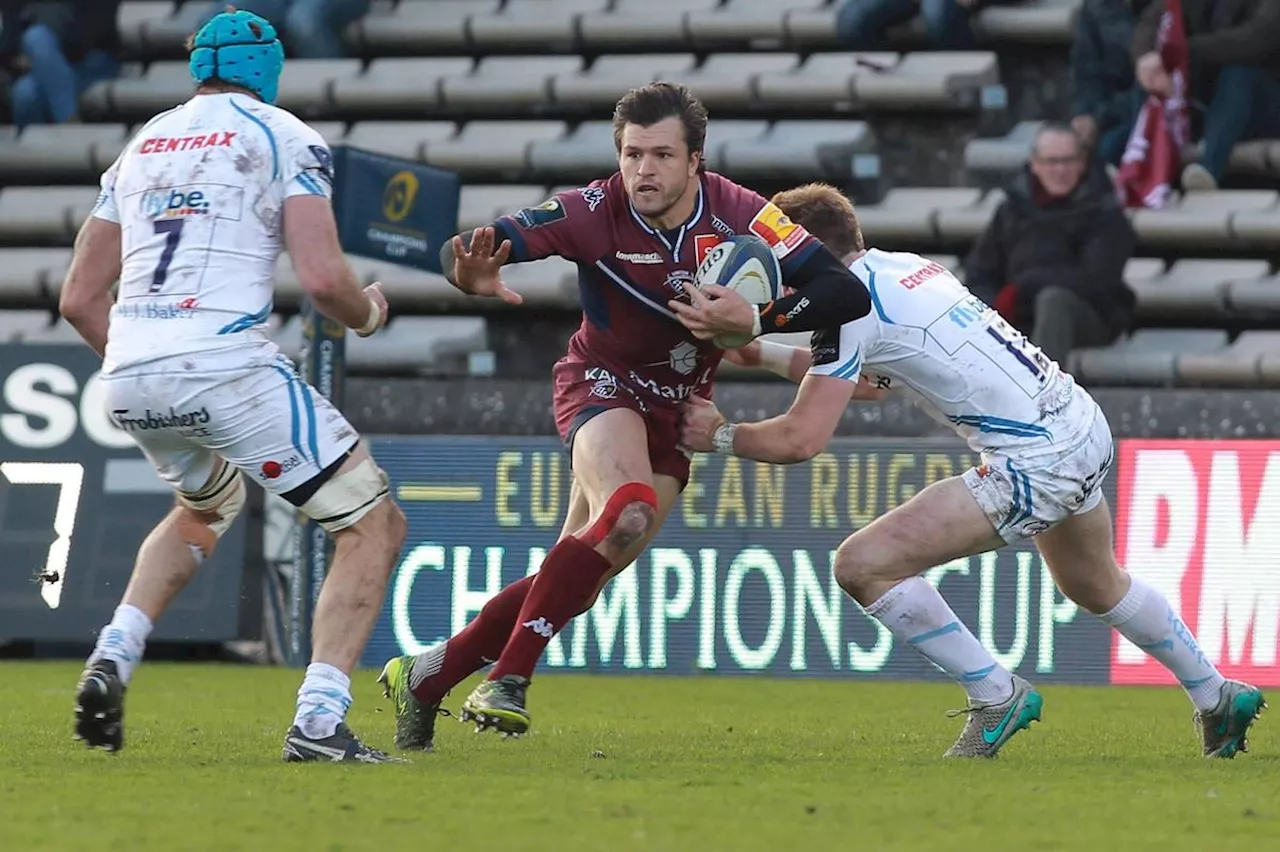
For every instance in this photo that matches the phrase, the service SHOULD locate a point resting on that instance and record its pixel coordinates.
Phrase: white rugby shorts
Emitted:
(1026, 495)
(263, 419)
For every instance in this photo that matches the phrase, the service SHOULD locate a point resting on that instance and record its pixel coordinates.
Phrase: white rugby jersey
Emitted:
(965, 365)
(199, 195)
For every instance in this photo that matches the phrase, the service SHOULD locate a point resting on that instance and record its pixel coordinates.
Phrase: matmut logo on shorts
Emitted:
(275, 470)
(149, 419)
(773, 226)
(165, 145)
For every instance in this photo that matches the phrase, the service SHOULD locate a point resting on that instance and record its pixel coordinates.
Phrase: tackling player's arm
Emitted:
(86, 300)
(793, 363)
(790, 438)
(826, 293)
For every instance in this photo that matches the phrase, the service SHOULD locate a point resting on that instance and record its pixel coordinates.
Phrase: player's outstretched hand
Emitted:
(744, 356)
(714, 310)
(476, 268)
(378, 317)
(699, 419)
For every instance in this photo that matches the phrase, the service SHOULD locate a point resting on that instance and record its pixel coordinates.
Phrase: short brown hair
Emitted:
(825, 212)
(648, 105)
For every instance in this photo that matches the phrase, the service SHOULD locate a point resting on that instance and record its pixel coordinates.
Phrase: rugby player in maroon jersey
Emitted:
(642, 349)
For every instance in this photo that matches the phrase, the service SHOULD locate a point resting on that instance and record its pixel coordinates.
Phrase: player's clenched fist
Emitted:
(476, 267)
(699, 420)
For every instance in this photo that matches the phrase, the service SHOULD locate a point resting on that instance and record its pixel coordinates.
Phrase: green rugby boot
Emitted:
(990, 726)
(415, 721)
(1224, 728)
(498, 704)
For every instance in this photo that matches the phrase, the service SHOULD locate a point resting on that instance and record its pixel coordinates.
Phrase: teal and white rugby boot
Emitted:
(1224, 729)
(990, 726)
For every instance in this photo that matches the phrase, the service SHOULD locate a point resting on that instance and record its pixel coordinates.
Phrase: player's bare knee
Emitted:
(205, 516)
(629, 515)
(856, 567)
(635, 522)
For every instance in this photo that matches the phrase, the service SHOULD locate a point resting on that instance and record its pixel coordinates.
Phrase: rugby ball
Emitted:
(746, 265)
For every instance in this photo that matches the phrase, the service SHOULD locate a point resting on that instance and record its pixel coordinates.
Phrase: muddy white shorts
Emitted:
(1025, 494)
(263, 419)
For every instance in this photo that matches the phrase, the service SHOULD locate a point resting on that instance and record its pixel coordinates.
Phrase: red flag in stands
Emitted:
(1154, 153)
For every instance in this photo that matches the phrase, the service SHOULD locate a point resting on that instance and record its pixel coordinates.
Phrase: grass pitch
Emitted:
(627, 763)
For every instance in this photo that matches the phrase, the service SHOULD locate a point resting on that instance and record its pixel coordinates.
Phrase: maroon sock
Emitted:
(476, 645)
(561, 589)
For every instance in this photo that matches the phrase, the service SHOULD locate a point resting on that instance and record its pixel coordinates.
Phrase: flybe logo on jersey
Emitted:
(175, 202)
(164, 145)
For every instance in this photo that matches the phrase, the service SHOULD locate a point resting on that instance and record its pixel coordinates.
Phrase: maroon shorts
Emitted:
(582, 391)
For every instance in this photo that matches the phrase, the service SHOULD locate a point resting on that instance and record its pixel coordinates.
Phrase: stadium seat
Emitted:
(135, 19)
(1138, 270)
(548, 283)
(44, 214)
(480, 205)
(14, 325)
(162, 86)
(420, 28)
(728, 79)
(165, 34)
(610, 76)
(640, 23)
(799, 150)
(754, 22)
(29, 275)
(822, 80)
(1030, 21)
(416, 345)
(407, 139)
(721, 134)
(1148, 357)
(1258, 228)
(507, 83)
(1238, 365)
(60, 333)
(1199, 219)
(399, 85)
(1258, 297)
(1193, 288)
(532, 24)
(492, 146)
(929, 80)
(909, 214)
(1004, 154)
(333, 132)
(814, 26)
(306, 85)
(965, 224)
(588, 151)
(63, 152)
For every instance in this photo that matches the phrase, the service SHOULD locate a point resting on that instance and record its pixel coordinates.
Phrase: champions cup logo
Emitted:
(398, 197)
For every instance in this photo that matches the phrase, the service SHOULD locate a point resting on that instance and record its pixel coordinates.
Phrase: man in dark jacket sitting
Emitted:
(1052, 260)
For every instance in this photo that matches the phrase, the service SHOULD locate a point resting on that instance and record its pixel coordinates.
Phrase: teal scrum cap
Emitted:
(239, 48)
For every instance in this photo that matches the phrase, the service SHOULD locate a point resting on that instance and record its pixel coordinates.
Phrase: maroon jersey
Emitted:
(628, 271)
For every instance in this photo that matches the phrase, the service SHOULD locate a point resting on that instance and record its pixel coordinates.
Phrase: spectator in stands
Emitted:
(312, 29)
(1235, 70)
(57, 50)
(861, 24)
(1052, 260)
(1106, 96)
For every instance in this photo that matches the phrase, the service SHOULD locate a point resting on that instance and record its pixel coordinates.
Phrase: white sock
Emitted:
(1145, 618)
(323, 700)
(123, 640)
(916, 614)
